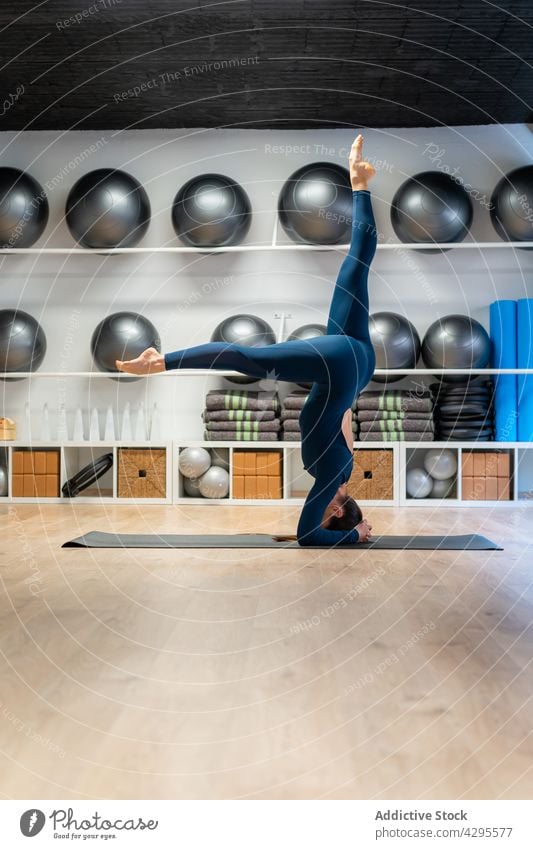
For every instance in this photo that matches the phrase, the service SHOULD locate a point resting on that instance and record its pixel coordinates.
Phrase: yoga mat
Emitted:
(503, 331)
(100, 539)
(524, 359)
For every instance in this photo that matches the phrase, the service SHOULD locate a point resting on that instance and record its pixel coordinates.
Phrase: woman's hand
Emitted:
(364, 529)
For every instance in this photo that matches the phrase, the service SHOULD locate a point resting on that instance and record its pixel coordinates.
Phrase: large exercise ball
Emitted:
(244, 329)
(214, 483)
(194, 461)
(3, 481)
(191, 487)
(396, 343)
(315, 204)
(511, 208)
(211, 211)
(431, 207)
(107, 208)
(22, 342)
(442, 488)
(307, 331)
(418, 483)
(122, 336)
(441, 464)
(23, 209)
(456, 341)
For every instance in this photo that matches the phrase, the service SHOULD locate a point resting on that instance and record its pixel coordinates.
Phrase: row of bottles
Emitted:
(132, 427)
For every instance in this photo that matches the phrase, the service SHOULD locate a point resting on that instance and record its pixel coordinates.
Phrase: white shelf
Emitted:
(220, 373)
(290, 246)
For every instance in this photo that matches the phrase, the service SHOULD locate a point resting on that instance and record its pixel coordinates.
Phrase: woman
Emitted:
(338, 364)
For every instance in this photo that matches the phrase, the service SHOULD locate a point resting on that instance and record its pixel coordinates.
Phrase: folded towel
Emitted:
(399, 400)
(238, 415)
(291, 425)
(290, 436)
(391, 415)
(403, 426)
(290, 414)
(295, 400)
(246, 427)
(412, 436)
(237, 436)
(233, 399)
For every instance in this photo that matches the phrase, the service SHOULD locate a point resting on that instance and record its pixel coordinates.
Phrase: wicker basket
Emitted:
(142, 473)
(372, 476)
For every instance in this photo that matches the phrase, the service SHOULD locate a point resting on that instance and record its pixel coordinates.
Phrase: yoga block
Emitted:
(142, 472)
(262, 486)
(250, 486)
(39, 462)
(504, 489)
(468, 464)
(17, 464)
(17, 485)
(479, 464)
(468, 489)
(274, 487)
(52, 462)
(503, 465)
(250, 462)
(268, 463)
(491, 464)
(40, 485)
(491, 488)
(238, 486)
(52, 486)
(238, 462)
(27, 463)
(28, 486)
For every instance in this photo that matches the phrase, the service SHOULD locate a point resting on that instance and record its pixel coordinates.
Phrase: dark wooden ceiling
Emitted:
(255, 63)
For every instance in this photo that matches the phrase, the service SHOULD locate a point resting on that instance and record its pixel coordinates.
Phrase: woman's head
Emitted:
(343, 512)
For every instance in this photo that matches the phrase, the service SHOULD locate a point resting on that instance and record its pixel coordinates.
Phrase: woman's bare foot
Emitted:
(360, 171)
(149, 362)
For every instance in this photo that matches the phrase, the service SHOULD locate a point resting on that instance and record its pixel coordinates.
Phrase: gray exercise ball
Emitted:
(431, 207)
(396, 343)
(191, 487)
(122, 336)
(194, 461)
(315, 204)
(22, 342)
(418, 483)
(456, 341)
(3, 482)
(107, 208)
(23, 209)
(244, 329)
(211, 211)
(220, 457)
(214, 483)
(307, 331)
(442, 488)
(440, 463)
(511, 208)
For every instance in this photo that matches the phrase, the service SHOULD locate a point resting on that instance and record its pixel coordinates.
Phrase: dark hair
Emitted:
(350, 518)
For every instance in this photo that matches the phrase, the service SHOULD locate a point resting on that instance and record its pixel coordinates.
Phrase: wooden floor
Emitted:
(255, 674)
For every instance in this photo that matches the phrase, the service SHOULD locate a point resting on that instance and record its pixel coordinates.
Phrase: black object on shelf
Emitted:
(88, 475)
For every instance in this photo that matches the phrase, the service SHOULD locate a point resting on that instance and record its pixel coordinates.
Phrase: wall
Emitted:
(187, 295)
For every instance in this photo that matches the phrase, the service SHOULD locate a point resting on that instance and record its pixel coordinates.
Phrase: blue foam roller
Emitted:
(524, 325)
(504, 354)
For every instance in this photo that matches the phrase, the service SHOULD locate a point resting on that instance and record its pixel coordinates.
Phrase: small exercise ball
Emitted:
(214, 483)
(107, 208)
(456, 341)
(244, 329)
(441, 488)
(22, 342)
(211, 211)
(220, 457)
(441, 464)
(511, 207)
(396, 343)
(307, 331)
(122, 336)
(418, 483)
(431, 207)
(191, 487)
(193, 462)
(23, 209)
(315, 204)
(3, 481)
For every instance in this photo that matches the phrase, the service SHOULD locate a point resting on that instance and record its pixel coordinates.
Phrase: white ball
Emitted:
(214, 483)
(440, 463)
(3, 481)
(191, 487)
(193, 462)
(418, 483)
(441, 488)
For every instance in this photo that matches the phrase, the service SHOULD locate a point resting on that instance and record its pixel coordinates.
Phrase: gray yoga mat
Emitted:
(100, 539)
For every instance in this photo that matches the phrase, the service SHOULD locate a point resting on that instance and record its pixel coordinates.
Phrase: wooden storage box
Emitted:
(257, 474)
(142, 472)
(35, 474)
(372, 477)
(486, 475)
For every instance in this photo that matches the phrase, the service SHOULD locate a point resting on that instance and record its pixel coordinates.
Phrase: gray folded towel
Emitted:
(412, 436)
(233, 399)
(245, 427)
(291, 425)
(238, 436)
(391, 415)
(401, 426)
(238, 415)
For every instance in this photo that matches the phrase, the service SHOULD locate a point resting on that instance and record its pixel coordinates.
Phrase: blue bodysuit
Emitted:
(339, 365)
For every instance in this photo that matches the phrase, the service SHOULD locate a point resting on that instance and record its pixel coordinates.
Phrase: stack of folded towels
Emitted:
(394, 415)
(241, 415)
(290, 414)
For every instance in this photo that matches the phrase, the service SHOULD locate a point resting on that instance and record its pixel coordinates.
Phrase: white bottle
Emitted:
(45, 424)
(125, 433)
(109, 431)
(94, 427)
(77, 432)
(140, 424)
(62, 428)
(26, 427)
(155, 424)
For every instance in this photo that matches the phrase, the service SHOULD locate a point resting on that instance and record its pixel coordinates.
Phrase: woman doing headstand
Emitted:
(339, 365)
